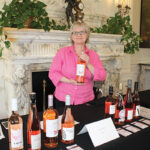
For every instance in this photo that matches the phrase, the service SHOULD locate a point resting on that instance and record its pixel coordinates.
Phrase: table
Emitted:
(87, 114)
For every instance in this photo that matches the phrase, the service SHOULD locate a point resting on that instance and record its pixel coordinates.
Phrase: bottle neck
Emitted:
(120, 100)
(67, 106)
(110, 94)
(136, 92)
(129, 95)
(50, 103)
(50, 107)
(34, 110)
(14, 112)
(67, 109)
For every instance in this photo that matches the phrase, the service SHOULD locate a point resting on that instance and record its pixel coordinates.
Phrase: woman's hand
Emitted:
(71, 81)
(75, 82)
(85, 57)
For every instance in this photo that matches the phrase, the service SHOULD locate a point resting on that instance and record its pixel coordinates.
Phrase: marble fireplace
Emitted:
(33, 50)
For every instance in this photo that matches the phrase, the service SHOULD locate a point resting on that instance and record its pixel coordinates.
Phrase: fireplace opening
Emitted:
(43, 86)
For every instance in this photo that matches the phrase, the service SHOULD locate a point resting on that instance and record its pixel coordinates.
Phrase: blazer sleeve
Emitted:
(55, 73)
(99, 71)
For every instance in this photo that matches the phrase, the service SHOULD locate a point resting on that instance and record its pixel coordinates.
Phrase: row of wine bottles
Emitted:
(123, 109)
(50, 124)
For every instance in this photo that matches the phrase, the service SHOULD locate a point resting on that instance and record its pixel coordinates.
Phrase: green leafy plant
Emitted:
(121, 25)
(18, 12)
(56, 26)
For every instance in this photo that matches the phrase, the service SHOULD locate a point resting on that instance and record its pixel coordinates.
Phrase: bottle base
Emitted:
(119, 123)
(50, 145)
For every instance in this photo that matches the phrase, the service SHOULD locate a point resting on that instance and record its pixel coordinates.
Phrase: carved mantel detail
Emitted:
(33, 50)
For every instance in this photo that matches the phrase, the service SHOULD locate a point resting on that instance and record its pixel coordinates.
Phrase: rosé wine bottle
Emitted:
(50, 120)
(15, 128)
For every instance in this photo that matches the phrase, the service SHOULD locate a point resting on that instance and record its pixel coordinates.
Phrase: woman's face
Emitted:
(79, 35)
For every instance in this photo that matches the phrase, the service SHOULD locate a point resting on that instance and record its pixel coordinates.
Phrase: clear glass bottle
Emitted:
(129, 103)
(15, 128)
(50, 120)
(136, 101)
(80, 73)
(120, 108)
(110, 104)
(67, 123)
(33, 126)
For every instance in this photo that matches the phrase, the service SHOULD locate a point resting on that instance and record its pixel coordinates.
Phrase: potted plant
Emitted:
(121, 25)
(19, 12)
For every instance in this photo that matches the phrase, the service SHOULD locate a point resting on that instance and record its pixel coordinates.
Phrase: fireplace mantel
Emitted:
(33, 50)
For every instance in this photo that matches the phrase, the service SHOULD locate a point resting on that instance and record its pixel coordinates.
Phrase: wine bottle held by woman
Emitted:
(33, 126)
(136, 101)
(50, 120)
(80, 72)
(15, 128)
(67, 123)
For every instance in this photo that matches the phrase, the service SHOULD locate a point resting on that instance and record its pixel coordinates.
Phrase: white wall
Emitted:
(3, 103)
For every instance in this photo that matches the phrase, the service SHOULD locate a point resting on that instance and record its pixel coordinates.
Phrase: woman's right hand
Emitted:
(75, 82)
(71, 81)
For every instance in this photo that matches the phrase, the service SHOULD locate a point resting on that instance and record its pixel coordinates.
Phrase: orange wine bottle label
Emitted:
(117, 114)
(133, 109)
(107, 107)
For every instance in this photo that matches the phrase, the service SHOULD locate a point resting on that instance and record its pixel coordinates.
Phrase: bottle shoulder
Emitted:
(15, 119)
(67, 116)
(50, 114)
(110, 99)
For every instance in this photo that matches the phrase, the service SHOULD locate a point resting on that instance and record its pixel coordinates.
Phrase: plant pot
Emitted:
(27, 23)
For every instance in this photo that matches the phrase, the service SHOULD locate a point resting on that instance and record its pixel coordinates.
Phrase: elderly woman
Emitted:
(63, 68)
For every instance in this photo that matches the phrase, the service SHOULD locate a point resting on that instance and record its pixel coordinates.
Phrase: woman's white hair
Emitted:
(84, 26)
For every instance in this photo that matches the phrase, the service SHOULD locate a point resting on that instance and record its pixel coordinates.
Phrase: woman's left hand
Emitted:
(85, 57)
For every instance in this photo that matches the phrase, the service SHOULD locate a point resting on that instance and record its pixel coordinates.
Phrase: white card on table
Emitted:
(139, 124)
(131, 128)
(101, 131)
(123, 132)
(74, 147)
(1, 133)
(145, 121)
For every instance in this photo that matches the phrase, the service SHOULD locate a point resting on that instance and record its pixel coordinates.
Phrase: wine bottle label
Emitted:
(133, 109)
(35, 139)
(80, 69)
(112, 109)
(122, 115)
(129, 113)
(68, 133)
(107, 107)
(16, 136)
(52, 128)
(137, 110)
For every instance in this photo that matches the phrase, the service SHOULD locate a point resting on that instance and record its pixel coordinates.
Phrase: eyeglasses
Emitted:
(79, 32)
